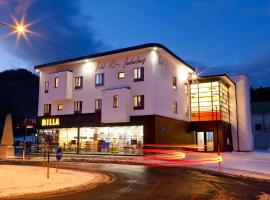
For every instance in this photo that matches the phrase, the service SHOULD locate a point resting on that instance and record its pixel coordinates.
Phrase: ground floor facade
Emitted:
(85, 134)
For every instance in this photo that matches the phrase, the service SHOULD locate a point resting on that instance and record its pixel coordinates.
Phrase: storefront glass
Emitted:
(97, 140)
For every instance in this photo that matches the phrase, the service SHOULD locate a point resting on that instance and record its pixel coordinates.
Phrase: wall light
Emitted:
(183, 74)
(88, 67)
(37, 70)
(154, 56)
(194, 76)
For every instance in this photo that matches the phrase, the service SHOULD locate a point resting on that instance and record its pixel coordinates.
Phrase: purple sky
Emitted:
(215, 36)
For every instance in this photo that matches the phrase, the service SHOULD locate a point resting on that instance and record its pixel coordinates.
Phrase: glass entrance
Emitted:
(205, 140)
(200, 141)
(209, 141)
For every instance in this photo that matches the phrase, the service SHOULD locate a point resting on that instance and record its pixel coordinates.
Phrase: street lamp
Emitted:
(20, 28)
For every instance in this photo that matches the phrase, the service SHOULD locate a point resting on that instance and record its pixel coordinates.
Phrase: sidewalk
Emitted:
(247, 164)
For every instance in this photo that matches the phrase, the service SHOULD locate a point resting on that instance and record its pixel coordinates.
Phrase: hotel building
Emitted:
(117, 101)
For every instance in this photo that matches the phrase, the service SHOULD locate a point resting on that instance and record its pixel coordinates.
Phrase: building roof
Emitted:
(148, 45)
(223, 77)
(260, 107)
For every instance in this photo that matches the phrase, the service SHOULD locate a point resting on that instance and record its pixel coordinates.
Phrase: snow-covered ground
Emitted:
(19, 180)
(248, 164)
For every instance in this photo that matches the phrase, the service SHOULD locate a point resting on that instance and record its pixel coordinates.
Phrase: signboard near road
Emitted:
(59, 153)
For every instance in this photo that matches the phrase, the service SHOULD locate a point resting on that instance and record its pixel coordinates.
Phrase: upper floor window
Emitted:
(186, 88)
(78, 107)
(60, 107)
(258, 127)
(99, 80)
(78, 82)
(98, 104)
(138, 74)
(138, 102)
(115, 101)
(47, 109)
(56, 82)
(121, 75)
(46, 86)
(174, 107)
(174, 82)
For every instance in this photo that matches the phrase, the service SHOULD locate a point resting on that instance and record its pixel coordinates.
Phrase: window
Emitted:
(47, 109)
(174, 107)
(138, 74)
(78, 107)
(56, 82)
(121, 75)
(99, 79)
(174, 83)
(98, 104)
(138, 102)
(78, 82)
(46, 86)
(60, 107)
(186, 88)
(115, 101)
(187, 110)
(258, 127)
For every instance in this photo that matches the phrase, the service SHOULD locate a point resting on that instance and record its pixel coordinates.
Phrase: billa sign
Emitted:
(50, 122)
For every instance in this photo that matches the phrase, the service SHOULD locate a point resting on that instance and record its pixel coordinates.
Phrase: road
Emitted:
(139, 182)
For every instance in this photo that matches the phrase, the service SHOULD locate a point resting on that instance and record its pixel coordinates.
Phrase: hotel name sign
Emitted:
(50, 122)
(119, 63)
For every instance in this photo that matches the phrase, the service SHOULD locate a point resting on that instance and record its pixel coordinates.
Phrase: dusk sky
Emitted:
(214, 36)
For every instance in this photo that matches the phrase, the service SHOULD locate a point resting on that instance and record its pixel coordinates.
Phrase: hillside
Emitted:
(19, 95)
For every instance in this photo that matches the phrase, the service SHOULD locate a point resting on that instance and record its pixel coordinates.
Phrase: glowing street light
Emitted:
(20, 28)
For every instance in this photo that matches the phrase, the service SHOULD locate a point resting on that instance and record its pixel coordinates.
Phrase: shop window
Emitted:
(46, 86)
(121, 75)
(115, 101)
(78, 107)
(60, 107)
(47, 109)
(138, 102)
(78, 82)
(174, 107)
(98, 104)
(56, 82)
(138, 74)
(258, 127)
(174, 83)
(99, 79)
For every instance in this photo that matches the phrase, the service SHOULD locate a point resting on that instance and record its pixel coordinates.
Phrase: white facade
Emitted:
(243, 136)
(159, 69)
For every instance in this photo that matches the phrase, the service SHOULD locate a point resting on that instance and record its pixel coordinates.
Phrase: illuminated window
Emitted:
(46, 86)
(115, 101)
(99, 79)
(78, 107)
(121, 75)
(47, 109)
(60, 107)
(138, 102)
(174, 107)
(209, 101)
(174, 83)
(98, 104)
(138, 74)
(56, 82)
(78, 82)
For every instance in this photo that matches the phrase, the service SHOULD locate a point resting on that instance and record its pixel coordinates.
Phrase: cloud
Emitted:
(258, 68)
(62, 31)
